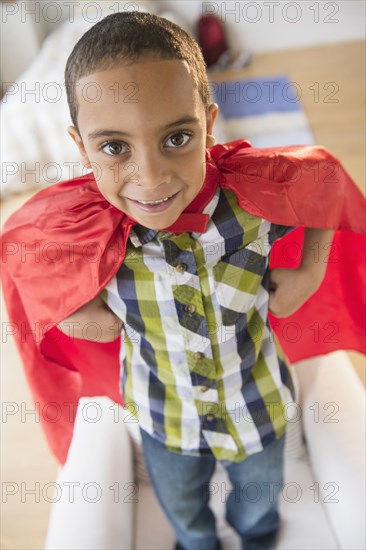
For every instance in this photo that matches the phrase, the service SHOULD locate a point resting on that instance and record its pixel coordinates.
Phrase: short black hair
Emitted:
(124, 37)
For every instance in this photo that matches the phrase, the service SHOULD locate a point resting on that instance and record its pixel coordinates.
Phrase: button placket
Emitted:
(183, 268)
(199, 356)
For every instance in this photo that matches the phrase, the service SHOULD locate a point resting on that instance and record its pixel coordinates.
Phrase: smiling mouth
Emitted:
(159, 201)
(157, 205)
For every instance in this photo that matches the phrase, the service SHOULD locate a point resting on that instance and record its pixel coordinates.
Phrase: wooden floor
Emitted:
(25, 460)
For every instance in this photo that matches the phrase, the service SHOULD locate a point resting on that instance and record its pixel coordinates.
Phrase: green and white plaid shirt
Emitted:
(202, 372)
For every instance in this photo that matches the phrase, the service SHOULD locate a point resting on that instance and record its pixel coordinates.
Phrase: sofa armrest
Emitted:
(95, 491)
(333, 410)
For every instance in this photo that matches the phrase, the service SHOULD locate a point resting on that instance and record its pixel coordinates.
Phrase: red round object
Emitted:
(211, 38)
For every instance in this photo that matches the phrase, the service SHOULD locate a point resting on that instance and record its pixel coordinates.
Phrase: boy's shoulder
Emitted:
(64, 234)
(276, 183)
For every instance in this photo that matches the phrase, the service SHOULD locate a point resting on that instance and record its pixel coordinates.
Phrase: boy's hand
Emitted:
(290, 288)
(95, 321)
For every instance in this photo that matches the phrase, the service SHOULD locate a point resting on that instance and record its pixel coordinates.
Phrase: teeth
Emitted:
(155, 202)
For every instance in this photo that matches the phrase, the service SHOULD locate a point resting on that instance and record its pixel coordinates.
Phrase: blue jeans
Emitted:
(182, 486)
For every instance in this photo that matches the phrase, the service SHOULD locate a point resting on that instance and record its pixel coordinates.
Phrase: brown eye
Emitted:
(112, 148)
(179, 139)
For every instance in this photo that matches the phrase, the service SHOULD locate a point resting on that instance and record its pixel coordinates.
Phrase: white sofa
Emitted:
(322, 504)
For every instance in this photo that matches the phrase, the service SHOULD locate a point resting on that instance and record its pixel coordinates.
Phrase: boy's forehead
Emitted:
(144, 73)
(149, 86)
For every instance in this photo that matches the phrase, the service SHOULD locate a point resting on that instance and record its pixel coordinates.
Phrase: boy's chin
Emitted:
(164, 216)
(158, 225)
(156, 222)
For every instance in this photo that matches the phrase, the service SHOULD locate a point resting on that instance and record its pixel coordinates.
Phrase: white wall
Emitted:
(279, 24)
(19, 43)
(26, 23)
(254, 25)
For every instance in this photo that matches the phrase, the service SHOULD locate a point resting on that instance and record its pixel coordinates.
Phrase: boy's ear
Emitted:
(74, 134)
(211, 116)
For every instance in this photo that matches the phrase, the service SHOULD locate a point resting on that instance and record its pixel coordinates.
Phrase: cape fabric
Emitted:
(65, 244)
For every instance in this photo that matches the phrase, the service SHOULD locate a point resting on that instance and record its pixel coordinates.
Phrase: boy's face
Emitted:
(133, 137)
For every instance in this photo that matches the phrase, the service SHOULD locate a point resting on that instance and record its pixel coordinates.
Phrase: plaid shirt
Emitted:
(202, 371)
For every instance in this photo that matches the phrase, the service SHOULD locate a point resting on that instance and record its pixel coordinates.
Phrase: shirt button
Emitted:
(181, 268)
(210, 417)
(190, 309)
(197, 356)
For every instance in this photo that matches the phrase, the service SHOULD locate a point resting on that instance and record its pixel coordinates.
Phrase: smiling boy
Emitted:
(148, 149)
(191, 290)
(150, 155)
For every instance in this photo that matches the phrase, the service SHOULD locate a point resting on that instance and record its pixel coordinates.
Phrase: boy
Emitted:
(200, 368)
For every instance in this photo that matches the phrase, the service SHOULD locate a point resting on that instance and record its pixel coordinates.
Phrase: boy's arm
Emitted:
(291, 288)
(95, 321)
(317, 243)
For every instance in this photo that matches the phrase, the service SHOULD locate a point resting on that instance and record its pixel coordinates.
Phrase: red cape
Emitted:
(65, 244)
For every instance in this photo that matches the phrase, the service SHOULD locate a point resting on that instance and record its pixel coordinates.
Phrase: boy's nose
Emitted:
(151, 171)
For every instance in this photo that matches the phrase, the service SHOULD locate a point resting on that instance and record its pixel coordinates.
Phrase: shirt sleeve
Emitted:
(277, 231)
